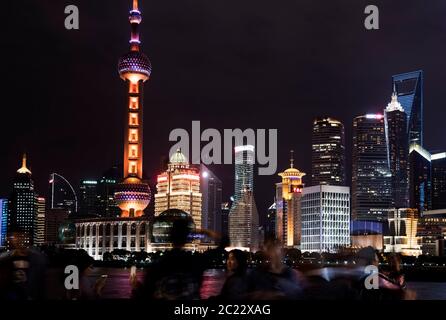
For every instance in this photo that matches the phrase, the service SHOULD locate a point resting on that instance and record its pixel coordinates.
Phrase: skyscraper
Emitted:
(420, 176)
(88, 197)
(328, 152)
(133, 195)
(244, 170)
(106, 189)
(179, 188)
(438, 161)
(211, 191)
(39, 222)
(409, 87)
(22, 206)
(225, 209)
(3, 221)
(244, 222)
(288, 206)
(325, 218)
(62, 194)
(398, 151)
(270, 223)
(371, 178)
(54, 218)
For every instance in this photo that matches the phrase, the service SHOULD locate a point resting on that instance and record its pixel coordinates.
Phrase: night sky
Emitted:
(228, 63)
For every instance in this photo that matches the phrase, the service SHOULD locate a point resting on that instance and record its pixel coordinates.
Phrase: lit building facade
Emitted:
(398, 151)
(402, 232)
(410, 87)
(244, 223)
(22, 206)
(432, 231)
(211, 191)
(3, 221)
(438, 162)
(420, 176)
(88, 197)
(39, 222)
(328, 152)
(179, 188)
(132, 195)
(244, 170)
(288, 206)
(106, 190)
(325, 218)
(371, 177)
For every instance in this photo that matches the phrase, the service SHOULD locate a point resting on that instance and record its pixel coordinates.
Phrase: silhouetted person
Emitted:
(274, 279)
(177, 275)
(23, 271)
(236, 284)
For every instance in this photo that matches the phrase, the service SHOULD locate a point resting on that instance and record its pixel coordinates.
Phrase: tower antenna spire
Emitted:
(292, 158)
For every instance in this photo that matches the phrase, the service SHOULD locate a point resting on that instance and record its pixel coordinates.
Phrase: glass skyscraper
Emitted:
(398, 151)
(438, 162)
(211, 193)
(244, 170)
(328, 153)
(409, 87)
(420, 176)
(371, 178)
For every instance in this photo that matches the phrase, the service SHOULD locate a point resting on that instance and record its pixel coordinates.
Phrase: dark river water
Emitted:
(117, 286)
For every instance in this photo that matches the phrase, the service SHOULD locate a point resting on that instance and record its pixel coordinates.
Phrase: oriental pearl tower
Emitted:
(132, 194)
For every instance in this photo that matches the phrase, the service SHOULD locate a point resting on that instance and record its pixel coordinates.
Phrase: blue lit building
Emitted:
(409, 87)
(3, 221)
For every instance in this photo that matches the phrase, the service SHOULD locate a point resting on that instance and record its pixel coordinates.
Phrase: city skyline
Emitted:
(51, 148)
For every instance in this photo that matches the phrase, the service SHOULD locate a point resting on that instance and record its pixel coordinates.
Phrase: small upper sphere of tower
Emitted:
(134, 62)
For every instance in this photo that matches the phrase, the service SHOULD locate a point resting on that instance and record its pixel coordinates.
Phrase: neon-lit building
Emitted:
(39, 222)
(325, 218)
(371, 177)
(3, 221)
(420, 178)
(133, 195)
(328, 152)
(22, 206)
(179, 188)
(129, 231)
(288, 206)
(401, 236)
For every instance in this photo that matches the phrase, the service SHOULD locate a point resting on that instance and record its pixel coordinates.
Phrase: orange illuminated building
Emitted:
(179, 188)
(133, 195)
(288, 205)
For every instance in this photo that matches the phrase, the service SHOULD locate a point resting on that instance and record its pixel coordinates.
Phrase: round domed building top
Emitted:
(134, 62)
(163, 224)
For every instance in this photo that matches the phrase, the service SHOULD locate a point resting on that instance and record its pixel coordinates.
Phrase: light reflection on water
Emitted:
(118, 286)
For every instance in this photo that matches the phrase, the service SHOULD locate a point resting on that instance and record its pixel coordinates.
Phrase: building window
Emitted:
(133, 119)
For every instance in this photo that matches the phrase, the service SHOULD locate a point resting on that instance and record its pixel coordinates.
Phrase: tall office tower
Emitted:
(39, 222)
(106, 190)
(328, 152)
(409, 87)
(3, 221)
(398, 151)
(61, 194)
(225, 209)
(420, 176)
(54, 218)
(244, 222)
(211, 191)
(371, 178)
(325, 218)
(88, 197)
(244, 170)
(288, 210)
(438, 161)
(132, 194)
(22, 207)
(179, 188)
(402, 233)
